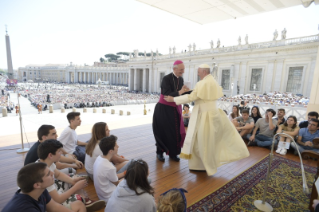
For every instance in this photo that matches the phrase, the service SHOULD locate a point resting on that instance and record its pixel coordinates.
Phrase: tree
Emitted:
(102, 60)
(3, 71)
(111, 57)
(123, 53)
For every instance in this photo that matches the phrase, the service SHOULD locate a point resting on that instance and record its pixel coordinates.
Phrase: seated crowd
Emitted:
(48, 180)
(275, 97)
(80, 96)
(260, 131)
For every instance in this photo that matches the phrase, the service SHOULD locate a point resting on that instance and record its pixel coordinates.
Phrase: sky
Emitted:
(82, 31)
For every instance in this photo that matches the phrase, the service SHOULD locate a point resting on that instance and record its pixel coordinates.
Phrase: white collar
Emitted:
(175, 75)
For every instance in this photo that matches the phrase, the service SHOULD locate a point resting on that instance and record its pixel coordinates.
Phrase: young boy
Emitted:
(45, 132)
(104, 172)
(50, 152)
(72, 146)
(33, 179)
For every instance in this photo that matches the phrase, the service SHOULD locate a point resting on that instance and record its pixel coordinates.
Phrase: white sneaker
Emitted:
(278, 150)
(283, 151)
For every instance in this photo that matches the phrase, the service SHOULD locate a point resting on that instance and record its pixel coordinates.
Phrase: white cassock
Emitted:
(211, 139)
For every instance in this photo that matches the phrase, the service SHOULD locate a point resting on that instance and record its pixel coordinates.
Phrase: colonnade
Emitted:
(114, 78)
(140, 79)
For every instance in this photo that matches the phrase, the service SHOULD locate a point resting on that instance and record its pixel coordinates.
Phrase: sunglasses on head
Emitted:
(181, 191)
(139, 161)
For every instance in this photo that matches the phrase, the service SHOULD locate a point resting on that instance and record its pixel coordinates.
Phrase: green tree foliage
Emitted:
(3, 71)
(111, 57)
(102, 60)
(123, 53)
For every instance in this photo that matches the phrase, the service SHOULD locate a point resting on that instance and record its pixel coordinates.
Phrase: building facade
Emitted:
(73, 74)
(285, 65)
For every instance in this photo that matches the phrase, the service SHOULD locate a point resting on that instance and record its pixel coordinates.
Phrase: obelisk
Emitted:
(9, 59)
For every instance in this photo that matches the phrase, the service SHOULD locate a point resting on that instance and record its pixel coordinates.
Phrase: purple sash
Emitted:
(179, 110)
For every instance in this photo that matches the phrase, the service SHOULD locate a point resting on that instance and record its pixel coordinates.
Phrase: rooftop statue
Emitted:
(283, 34)
(275, 35)
(211, 44)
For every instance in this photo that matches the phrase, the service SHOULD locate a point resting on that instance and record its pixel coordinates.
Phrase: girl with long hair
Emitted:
(255, 113)
(134, 192)
(234, 113)
(289, 127)
(99, 131)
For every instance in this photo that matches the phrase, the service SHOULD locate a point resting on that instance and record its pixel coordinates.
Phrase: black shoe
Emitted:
(252, 143)
(175, 158)
(197, 170)
(160, 157)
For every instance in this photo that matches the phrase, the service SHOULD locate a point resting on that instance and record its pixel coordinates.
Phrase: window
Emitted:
(225, 79)
(162, 74)
(255, 81)
(294, 79)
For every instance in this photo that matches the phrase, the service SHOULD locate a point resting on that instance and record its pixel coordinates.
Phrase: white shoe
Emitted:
(278, 150)
(283, 151)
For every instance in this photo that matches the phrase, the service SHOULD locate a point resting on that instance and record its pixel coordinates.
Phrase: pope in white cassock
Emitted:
(211, 139)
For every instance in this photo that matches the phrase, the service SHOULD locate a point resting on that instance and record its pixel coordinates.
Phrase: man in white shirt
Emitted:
(104, 172)
(71, 146)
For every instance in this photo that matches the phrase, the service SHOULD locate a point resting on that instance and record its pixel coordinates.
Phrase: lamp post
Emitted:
(22, 150)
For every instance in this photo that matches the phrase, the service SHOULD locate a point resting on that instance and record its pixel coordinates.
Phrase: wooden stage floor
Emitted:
(138, 143)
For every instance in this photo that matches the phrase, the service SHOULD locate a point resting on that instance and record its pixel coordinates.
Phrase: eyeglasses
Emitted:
(314, 125)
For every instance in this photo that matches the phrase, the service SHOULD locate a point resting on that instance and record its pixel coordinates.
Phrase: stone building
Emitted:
(285, 65)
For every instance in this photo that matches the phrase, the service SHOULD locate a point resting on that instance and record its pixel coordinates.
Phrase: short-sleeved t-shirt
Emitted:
(306, 135)
(69, 140)
(104, 173)
(264, 127)
(32, 155)
(89, 161)
(286, 128)
(303, 124)
(242, 122)
(25, 203)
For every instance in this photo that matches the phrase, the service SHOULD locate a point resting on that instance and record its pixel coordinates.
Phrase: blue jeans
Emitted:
(263, 141)
(303, 148)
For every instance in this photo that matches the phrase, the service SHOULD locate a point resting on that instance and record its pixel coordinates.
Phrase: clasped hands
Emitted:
(181, 91)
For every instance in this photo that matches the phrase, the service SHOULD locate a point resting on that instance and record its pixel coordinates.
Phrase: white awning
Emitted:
(208, 11)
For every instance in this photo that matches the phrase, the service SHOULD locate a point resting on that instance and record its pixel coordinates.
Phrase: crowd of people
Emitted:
(278, 98)
(80, 96)
(49, 175)
(259, 130)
